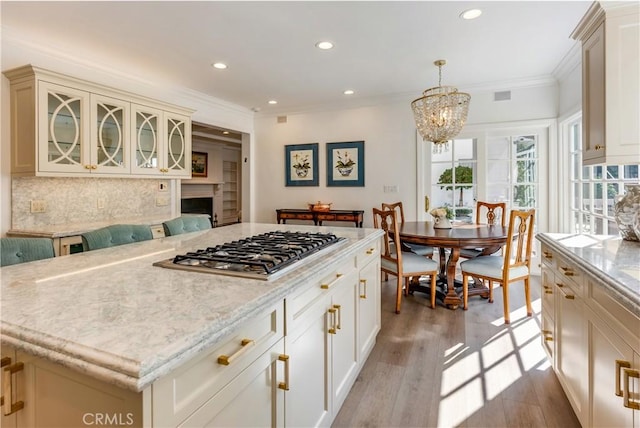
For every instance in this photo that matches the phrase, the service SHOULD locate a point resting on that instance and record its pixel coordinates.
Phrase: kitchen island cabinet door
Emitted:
(606, 408)
(368, 307)
(252, 399)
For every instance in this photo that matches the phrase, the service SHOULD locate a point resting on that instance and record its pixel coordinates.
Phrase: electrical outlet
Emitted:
(38, 206)
(100, 203)
(162, 201)
(391, 189)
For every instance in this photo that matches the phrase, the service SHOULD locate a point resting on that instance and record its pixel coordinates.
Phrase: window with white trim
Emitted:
(593, 189)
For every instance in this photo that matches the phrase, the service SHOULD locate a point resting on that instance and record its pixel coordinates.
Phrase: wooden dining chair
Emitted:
(403, 264)
(486, 213)
(513, 266)
(421, 250)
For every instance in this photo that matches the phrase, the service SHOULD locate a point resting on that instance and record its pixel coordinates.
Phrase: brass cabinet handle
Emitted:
(284, 385)
(566, 270)
(371, 250)
(245, 344)
(619, 365)
(566, 296)
(332, 314)
(87, 167)
(94, 166)
(364, 283)
(548, 254)
(9, 406)
(339, 308)
(331, 284)
(626, 395)
(599, 147)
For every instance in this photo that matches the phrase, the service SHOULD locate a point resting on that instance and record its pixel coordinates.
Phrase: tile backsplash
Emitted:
(85, 200)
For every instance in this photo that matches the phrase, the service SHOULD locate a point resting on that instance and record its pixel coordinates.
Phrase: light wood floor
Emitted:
(444, 368)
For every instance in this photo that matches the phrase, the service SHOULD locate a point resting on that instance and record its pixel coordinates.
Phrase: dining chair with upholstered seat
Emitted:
(513, 266)
(421, 250)
(185, 224)
(114, 235)
(22, 250)
(486, 213)
(404, 265)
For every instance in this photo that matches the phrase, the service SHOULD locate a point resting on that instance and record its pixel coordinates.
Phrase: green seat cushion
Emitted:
(185, 224)
(21, 250)
(118, 234)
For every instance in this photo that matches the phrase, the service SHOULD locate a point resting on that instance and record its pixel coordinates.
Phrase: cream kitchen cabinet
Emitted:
(322, 345)
(44, 394)
(610, 36)
(369, 317)
(61, 126)
(595, 346)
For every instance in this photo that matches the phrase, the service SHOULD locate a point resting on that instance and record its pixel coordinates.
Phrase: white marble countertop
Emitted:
(112, 315)
(73, 229)
(612, 260)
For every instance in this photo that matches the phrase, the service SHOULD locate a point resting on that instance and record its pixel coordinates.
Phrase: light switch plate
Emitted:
(38, 206)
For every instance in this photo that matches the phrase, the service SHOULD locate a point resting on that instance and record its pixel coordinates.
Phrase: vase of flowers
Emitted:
(345, 164)
(442, 217)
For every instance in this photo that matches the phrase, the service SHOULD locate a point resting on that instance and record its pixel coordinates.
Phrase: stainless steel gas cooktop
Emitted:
(265, 256)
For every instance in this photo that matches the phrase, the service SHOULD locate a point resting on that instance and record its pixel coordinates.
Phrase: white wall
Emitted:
(389, 133)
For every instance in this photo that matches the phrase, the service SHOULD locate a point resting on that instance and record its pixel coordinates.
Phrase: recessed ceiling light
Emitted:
(471, 14)
(324, 45)
(349, 92)
(273, 102)
(219, 65)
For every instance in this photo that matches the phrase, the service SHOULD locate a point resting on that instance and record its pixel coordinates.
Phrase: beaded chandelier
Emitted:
(441, 112)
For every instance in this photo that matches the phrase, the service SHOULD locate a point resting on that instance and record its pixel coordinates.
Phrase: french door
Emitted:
(493, 163)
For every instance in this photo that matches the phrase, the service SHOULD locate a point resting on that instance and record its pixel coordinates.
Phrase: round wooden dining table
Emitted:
(489, 238)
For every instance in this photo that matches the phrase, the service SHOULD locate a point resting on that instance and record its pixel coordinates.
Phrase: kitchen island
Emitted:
(591, 324)
(112, 317)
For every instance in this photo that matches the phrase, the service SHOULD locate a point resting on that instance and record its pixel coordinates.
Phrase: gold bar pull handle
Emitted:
(9, 407)
(566, 270)
(332, 315)
(332, 283)
(627, 373)
(225, 360)
(619, 365)
(371, 251)
(5, 361)
(284, 385)
(548, 254)
(364, 284)
(339, 308)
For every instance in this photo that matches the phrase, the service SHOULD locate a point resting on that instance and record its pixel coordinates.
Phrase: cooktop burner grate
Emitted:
(258, 256)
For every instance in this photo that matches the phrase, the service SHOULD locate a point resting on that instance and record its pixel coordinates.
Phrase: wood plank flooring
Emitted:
(444, 368)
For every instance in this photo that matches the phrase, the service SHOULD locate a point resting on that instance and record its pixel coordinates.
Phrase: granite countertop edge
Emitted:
(609, 284)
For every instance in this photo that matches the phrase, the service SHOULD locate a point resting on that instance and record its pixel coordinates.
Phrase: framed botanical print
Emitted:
(199, 164)
(345, 164)
(301, 164)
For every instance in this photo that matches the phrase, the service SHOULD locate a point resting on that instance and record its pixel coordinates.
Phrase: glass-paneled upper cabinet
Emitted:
(109, 121)
(146, 138)
(63, 125)
(178, 159)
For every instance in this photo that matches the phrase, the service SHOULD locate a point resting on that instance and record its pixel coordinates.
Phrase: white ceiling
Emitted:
(382, 48)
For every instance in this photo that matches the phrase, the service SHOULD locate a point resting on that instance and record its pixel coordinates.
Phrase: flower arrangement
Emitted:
(302, 162)
(345, 162)
(442, 212)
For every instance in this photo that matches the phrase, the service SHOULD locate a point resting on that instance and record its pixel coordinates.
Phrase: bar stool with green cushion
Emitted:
(117, 234)
(22, 250)
(185, 224)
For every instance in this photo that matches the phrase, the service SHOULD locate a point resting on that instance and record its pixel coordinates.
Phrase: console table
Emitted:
(356, 216)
